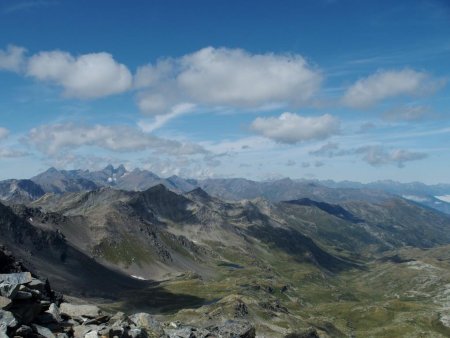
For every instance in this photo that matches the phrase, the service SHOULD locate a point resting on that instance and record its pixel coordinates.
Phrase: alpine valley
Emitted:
(287, 258)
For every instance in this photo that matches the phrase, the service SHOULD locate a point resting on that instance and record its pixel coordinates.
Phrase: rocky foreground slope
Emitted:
(30, 308)
(305, 267)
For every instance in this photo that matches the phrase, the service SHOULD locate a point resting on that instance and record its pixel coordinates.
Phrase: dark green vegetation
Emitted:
(372, 267)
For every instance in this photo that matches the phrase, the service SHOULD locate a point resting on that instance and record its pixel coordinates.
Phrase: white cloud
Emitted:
(3, 133)
(387, 84)
(53, 139)
(226, 77)
(87, 76)
(12, 58)
(292, 128)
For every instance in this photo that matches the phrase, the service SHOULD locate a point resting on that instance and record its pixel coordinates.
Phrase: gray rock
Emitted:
(98, 320)
(106, 332)
(92, 334)
(4, 302)
(16, 278)
(23, 295)
(62, 335)
(148, 322)
(37, 284)
(71, 310)
(7, 319)
(43, 331)
(115, 331)
(234, 329)
(24, 331)
(52, 315)
(53, 310)
(25, 311)
(187, 332)
(118, 318)
(137, 333)
(9, 290)
(81, 331)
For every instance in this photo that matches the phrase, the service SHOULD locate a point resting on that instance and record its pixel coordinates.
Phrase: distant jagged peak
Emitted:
(120, 170)
(109, 167)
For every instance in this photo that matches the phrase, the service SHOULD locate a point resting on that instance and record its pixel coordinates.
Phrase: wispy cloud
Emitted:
(375, 155)
(19, 6)
(158, 121)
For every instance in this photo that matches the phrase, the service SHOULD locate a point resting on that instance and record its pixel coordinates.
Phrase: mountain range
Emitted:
(233, 189)
(286, 255)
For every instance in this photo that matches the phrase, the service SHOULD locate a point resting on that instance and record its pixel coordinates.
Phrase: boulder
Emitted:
(24, 331)
(37, 284)
(87, 311)
(4, 302)
(234, 329)
(187, 332)
(98, 320)
(92, 334)
(148, 322)
(9, 290)
(25, 311)
(52, 315)
(137, 333)
(81, 331)
(43, 331)
(23, 295)
(7, 320)
(16, 278)
(119, 318)
(62, 335)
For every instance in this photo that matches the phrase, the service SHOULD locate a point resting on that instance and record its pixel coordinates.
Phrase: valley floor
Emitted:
(406, 293)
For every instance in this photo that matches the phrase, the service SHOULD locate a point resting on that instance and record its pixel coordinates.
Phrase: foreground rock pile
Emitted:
(29, 308)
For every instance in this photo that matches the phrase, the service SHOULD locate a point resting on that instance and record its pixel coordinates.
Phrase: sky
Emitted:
(316, 89)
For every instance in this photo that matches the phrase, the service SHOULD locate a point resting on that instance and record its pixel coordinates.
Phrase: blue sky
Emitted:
(327, 89)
